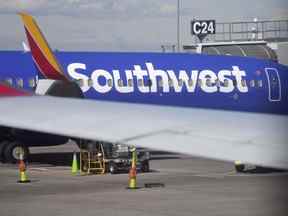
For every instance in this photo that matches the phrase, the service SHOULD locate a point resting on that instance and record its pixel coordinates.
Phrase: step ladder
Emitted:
(92, 158)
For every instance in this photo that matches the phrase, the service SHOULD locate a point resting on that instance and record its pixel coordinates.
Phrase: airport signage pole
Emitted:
(178, 25)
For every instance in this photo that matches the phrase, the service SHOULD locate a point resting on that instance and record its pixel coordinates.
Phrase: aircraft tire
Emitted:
(11, 152)
(145, 166)
(3, 145)
(240, 168)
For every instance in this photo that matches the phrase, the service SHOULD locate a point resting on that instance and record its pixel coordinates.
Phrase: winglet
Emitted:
(42, 54)
(6, 90)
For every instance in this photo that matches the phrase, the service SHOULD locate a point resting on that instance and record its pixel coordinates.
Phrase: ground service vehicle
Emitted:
(100, 158)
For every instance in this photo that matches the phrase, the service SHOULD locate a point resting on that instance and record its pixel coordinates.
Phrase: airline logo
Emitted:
(103, 81)
(42, 54)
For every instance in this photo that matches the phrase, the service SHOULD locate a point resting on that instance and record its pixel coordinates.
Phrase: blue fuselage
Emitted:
(186, 80)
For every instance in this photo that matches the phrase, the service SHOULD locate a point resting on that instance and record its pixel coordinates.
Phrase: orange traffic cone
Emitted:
(23, 178)
(133, 171)
(132, 178)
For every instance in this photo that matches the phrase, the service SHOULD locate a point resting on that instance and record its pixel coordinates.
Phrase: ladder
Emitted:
(92, 158)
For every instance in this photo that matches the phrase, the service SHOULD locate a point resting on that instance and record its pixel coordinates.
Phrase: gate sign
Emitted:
(203, 27)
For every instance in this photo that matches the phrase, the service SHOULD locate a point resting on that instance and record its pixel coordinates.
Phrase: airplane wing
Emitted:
(259, 139)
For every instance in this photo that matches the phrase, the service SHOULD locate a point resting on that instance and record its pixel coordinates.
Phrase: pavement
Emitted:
(193, 186)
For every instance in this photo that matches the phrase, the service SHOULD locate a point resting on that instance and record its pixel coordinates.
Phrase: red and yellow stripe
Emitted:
(41, 52)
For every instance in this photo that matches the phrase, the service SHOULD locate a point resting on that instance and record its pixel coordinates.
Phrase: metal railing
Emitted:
(270, 31)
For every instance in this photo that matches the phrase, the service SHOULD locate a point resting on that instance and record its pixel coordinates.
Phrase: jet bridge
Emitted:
(257, 49)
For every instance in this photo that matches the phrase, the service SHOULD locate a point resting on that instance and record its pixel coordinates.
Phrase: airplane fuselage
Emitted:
(184, 80)
(187, 80)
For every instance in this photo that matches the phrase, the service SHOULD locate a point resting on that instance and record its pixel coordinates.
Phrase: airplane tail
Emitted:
(43, 57)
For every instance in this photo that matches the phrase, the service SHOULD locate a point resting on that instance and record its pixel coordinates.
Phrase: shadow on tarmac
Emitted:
(264, 170)
(56, 159)
(65, 158)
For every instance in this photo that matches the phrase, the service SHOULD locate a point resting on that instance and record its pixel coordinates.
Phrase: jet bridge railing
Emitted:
(270, 31)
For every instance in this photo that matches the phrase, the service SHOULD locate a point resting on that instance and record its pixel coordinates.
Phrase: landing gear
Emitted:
(244, 167)
(10, 151)
(145, 166)
(2, 147)
(240, 168)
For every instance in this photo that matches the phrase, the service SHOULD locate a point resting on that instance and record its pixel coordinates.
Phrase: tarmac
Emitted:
(193, 186)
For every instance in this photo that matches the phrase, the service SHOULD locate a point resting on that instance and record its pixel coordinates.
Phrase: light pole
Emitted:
(178, 25)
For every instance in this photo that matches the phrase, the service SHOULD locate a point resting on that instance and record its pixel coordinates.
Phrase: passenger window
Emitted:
(217, 82)
(80, 82)
(170, 82)
(226, 83)
(259, 84)
(190, 82)
(234, 83)
(180, 82)
(243, 83)
(120, 83)
(32, 83)
(149, 82)
(20, 83)
(208, 82)
(90, 82)
(130, 82)
(140, 82)
(8, 81)
(252, 83)
(160, 83)
(109, 82)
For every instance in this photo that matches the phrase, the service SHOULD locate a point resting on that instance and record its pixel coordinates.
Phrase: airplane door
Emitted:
(274, 84)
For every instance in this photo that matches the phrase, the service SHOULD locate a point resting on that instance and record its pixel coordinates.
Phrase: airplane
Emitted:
(221, 107)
